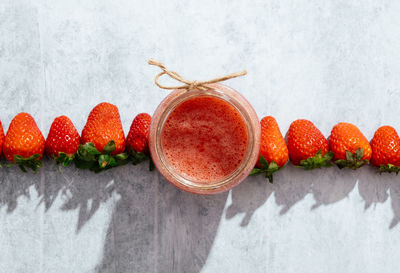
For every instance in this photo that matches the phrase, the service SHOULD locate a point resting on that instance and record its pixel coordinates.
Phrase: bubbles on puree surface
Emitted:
(204, 139)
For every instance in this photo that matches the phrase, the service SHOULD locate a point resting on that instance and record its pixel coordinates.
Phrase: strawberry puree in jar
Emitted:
(205, 139)
(205, 142)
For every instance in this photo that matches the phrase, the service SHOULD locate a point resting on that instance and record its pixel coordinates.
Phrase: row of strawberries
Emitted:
(101, 146)
(307, 147)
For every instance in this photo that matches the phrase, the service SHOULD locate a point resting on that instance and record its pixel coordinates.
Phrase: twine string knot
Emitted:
(189, 85)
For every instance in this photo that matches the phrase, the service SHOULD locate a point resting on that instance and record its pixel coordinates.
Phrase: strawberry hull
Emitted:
(88, 157)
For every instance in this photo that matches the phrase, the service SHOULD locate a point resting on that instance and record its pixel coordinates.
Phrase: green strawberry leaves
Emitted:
(64, 159)
(317, 161)
(352, 161)
(389, 168)
(138, 157)
(33, 162)
(267, 168)
(88, 157)
(110, 147)
(106, 161)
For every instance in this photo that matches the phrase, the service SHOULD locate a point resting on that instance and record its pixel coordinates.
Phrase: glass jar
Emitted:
(252, 125)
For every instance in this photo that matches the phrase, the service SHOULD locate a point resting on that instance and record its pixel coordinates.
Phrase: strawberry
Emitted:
(137, 141)
(307, 146)
(62, 141)
(102, 140)
(386, 150)
(273, 151)
(1, 138)
(350, 147)
(104, 125)
(24, 143)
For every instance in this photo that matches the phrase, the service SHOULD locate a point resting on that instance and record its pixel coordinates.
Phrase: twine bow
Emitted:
(189, 85)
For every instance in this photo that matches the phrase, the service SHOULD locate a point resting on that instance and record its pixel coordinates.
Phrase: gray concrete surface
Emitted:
(327, 61)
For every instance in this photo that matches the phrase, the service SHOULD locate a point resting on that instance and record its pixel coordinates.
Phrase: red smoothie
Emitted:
(204, 139)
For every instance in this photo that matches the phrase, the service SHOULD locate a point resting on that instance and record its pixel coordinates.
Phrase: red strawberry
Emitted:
(386, 149)
(137, 141)
(138, 136)
(103, 140)
(350, 147)
(62, 141)
(1, 138)
(24, 143)
(307, 145)
(273, 151)
(104, 125)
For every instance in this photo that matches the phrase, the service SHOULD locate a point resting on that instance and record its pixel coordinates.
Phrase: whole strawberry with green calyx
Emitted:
(308, 148)
(350, 147)
(386, 150)
(24, 143)
(62, 141)
(102, 140)
(273, 150)
(137, 141)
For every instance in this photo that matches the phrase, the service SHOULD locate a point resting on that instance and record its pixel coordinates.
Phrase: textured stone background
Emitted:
(327, 61)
